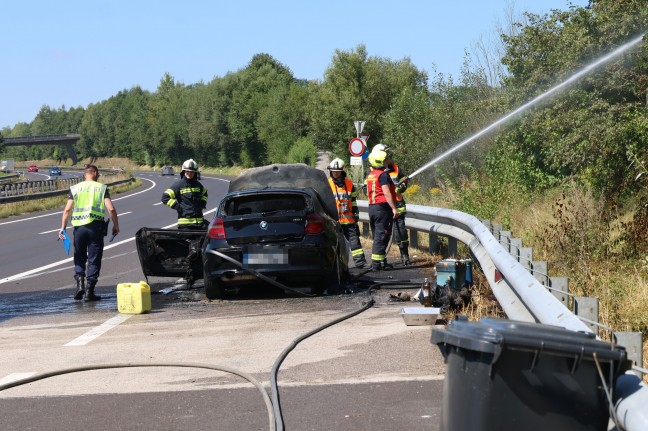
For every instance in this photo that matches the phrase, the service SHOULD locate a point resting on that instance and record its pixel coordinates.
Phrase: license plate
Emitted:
(265, 257)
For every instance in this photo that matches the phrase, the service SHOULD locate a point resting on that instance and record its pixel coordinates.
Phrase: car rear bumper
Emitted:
(304, 266)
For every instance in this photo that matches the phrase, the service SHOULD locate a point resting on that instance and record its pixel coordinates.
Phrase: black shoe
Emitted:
(405, 259)
(80, 283)
(90, 295)
(376, 266)
(362, 265)
(386, 266)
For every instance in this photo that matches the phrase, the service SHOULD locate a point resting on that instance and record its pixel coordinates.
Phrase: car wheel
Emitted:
(334, 281)
(213, 288)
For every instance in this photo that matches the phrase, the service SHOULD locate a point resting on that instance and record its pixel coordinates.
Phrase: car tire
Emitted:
(213, 288)
(335, 280)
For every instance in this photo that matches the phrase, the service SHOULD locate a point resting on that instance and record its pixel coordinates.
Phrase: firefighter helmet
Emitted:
(190, 166)
(380, 147)
(336, 165)
(377, 158)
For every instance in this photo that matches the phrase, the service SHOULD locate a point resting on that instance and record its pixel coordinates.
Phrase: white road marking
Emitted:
(14, 377)
(99, 330)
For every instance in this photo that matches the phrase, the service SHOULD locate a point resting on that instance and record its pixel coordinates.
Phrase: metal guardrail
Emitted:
(31, 196)
(521, 295)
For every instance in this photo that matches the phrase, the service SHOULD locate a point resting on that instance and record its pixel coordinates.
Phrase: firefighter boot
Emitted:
(404, 255)
(80, 281)
(89, 294)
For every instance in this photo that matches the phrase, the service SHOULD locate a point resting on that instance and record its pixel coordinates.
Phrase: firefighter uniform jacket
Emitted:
(396, 176)
(189, 198)
(345, 198)
(374, 190)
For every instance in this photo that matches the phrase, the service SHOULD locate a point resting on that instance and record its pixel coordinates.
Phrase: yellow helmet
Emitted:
(377, 158)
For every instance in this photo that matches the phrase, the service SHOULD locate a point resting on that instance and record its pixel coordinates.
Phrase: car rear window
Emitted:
(263, 203)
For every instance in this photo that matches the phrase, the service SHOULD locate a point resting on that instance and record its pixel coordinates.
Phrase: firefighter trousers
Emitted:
(352, 234)
(381, 220)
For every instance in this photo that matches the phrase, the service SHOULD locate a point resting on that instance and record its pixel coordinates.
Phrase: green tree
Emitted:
(358, 87)
(252, 92)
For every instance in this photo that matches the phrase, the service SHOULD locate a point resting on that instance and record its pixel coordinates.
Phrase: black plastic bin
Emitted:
(508, 375)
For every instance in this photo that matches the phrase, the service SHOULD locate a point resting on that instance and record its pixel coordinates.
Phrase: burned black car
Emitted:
(277, 225)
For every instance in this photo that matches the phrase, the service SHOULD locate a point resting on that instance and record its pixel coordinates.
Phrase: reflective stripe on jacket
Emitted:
(188, 198)
(345, 199)
(88, 202)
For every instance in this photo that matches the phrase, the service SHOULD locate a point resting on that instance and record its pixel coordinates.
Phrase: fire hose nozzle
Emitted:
(402, 185)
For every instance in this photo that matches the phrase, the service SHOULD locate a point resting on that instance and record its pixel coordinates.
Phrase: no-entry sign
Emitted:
(356, 147)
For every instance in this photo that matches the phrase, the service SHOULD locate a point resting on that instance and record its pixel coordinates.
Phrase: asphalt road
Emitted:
(368, 372)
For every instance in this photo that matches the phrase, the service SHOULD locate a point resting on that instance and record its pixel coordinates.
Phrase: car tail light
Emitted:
(217, 229)
(314, 224)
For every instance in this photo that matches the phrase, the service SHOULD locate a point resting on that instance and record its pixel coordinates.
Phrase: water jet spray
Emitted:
(534, 101)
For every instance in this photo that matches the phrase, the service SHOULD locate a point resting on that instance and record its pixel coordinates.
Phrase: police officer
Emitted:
(88, 201)
(188, 197)
(382, 207)
(347, 206)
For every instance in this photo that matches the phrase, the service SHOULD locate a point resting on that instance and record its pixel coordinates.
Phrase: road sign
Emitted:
(359, 125)
(364, 137)
(356, 147)
(356, 161)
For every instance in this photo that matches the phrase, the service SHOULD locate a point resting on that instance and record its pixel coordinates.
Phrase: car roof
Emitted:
(287, 177)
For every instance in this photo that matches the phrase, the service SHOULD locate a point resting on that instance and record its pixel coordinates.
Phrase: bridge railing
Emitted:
(520, 294)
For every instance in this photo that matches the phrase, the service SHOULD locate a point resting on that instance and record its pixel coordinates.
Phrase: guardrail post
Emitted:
(453, 249)
(516, 245)
(525, 257)
(433, 242)
(559, 285)
(505, 239)
(539, 271)
(589, 309)
(413, 239)
(365, 230)
(634, 347)
(496, 229)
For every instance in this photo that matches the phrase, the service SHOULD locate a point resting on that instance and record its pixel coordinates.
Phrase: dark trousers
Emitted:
(401, 237)
(381, 220)
(88, 249)
(352, 234)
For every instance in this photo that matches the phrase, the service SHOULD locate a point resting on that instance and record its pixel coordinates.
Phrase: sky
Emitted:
(71, 53)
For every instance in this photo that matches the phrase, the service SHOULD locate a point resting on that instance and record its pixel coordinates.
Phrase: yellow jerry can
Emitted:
(133, 298)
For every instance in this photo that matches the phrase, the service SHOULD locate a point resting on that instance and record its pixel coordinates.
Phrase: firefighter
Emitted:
(87, 202)
(188, 197)
(348, 212)
(382, 207)
(401, 236)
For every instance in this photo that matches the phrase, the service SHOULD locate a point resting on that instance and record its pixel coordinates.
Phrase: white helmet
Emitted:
(189, 165)
(380, 147)
(336, 165)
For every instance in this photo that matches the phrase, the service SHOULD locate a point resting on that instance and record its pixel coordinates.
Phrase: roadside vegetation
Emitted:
(568, 175)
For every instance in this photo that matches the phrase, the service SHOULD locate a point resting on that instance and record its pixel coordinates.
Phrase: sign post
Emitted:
(359, 125)
(357, 147)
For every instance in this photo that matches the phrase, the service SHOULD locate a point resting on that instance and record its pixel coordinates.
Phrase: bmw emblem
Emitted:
(263, 225)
